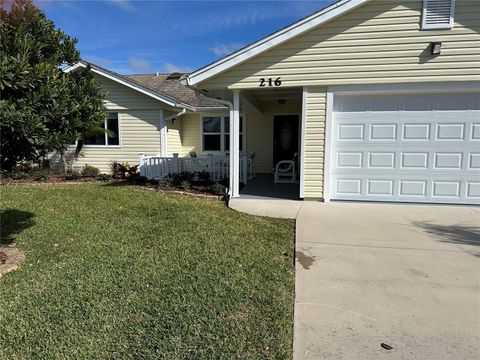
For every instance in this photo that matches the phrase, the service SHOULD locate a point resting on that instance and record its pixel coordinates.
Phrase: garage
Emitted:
(411, 147)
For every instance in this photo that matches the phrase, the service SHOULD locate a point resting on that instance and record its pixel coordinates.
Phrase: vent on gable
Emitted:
(438, 14)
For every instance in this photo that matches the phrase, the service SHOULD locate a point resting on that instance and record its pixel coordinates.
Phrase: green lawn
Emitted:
(117, 272)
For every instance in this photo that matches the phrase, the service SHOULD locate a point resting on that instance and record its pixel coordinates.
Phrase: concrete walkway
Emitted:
(276, 208)
(404, 275)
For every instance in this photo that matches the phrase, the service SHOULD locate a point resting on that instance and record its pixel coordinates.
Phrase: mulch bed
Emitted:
(10, 259)
(51, 180)
(194, 192)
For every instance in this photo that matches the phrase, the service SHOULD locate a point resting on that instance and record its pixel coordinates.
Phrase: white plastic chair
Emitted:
(285, 171)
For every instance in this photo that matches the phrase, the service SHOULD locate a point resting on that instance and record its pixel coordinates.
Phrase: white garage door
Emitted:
(415, 148)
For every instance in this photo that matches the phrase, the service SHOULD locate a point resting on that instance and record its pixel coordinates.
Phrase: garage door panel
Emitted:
(393, 152)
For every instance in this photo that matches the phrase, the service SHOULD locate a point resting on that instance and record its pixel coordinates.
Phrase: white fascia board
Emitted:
(275, 39)
(131, 86)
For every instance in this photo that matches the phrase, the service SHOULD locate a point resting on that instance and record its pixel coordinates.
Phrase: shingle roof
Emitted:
(169, 85)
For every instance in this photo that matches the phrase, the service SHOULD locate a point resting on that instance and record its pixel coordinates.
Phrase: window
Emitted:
(216, 133)
(110, 137)
(438, 14)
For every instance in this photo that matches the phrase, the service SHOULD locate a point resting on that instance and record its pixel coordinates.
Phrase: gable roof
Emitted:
(170, 85)
(166, 88)
(328, 13)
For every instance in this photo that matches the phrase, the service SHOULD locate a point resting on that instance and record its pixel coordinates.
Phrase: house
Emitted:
(379, 99)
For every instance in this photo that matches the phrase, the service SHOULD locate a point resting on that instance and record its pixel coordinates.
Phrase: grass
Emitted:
(117, 272)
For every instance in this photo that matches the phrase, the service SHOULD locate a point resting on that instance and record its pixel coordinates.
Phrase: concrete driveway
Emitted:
(404, 275)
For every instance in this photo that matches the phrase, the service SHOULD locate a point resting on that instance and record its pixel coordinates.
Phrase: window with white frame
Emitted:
(216, 133)
(438, 14)
(111, 137)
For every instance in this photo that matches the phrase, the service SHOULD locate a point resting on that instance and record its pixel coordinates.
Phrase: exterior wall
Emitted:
(174, 137)
(380, 42)
(139, 124)
(314, 150)
(139, 133)
(259, 134)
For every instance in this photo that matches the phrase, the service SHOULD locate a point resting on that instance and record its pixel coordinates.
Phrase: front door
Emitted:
(285, 137)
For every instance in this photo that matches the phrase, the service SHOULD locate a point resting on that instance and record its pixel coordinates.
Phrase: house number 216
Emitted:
(270, 82)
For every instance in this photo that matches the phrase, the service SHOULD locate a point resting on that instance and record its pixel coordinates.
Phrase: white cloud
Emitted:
(171, 68)
(125, 5)
(140, 64)
(225, 49)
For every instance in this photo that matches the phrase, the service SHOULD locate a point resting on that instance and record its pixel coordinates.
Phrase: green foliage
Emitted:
(41, 175)
(116, 272)
(42, 108)
(89, 171)
(71, 175)
(185, 185)
(104, 177)
(166, 182)
(17, 175)
(218, 189)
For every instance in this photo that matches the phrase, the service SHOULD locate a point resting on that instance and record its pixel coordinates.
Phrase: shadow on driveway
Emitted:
(455, 234)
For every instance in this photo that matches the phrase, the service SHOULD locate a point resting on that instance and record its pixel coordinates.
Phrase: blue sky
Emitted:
(167, 36)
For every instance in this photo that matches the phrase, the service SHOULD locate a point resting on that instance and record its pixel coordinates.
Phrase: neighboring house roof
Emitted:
(308, 23)
(166, 88)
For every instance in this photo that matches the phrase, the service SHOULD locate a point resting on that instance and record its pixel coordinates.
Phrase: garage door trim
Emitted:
(387, 89)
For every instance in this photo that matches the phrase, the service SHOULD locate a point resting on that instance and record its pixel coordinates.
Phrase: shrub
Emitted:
(17, 175)
(71, 175)
(185, 185)
(166, 182)
(153, 182)
(218, 189)
(123, 171)
(89, 171)
(23, 167)
(137, 179)
(203, 176)
(104, 177)
(41, 175)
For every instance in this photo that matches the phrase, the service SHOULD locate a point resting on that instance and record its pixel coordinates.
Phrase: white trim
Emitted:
(129, 85)
(119, 122)
(327, 151)
(426, 26)
(405, 88)
(272, 40)
(302, 141)
(417, 88)
(222, 132)
(163, 135)
(234, 145)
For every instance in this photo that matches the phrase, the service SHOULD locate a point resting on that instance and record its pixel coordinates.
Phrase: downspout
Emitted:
(164, 130)
(176, 115)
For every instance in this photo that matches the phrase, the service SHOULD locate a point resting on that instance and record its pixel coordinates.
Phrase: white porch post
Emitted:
(235, 145)
(163, 135)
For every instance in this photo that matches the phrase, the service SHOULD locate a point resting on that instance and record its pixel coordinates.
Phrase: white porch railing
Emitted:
(157, 167)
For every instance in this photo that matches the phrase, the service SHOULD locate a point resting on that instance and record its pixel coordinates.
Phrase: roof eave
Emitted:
(121, 80)
(270, 41)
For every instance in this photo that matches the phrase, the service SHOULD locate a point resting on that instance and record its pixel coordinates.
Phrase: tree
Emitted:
(42, 108)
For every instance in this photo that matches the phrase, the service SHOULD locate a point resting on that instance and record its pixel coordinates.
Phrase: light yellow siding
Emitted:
(380, 42)
(174, 137)
(139, 133)
(121, 97)
(139, 124)
(191, 133)
(314, 149)
(259, 134)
